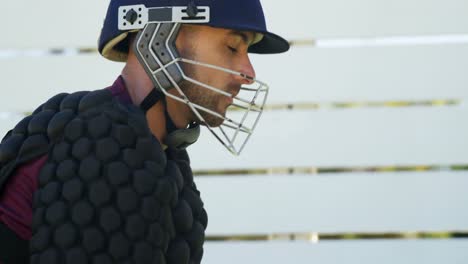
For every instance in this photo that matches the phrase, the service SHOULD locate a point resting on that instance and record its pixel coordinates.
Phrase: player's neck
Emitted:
(136, 80)
(139, 85)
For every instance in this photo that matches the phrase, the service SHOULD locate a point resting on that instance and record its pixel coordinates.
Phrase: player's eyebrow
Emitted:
(245, 38)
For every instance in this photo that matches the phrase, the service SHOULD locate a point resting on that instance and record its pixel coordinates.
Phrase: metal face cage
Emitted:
(156, 51)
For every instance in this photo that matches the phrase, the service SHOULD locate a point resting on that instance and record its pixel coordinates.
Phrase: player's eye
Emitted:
(233, 50)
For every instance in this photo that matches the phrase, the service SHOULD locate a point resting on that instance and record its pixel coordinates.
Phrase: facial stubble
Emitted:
(200, 95)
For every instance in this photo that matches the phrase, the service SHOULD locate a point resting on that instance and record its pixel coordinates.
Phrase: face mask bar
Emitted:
(241, 117)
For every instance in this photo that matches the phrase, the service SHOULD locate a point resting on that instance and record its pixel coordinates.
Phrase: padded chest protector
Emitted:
(108, 192)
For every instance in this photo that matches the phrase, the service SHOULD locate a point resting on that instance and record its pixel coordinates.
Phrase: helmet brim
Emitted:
(270, 44)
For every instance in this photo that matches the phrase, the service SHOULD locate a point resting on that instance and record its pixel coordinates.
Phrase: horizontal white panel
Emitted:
(52, 23)
(57, 23)
(372, 202)
(365, 18)
(357, 137)
(385, 73)
(29, 82)
(356, 252)
(302, 75)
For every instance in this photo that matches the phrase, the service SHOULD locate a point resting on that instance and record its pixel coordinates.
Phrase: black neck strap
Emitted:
(151, 99)
(176, 138)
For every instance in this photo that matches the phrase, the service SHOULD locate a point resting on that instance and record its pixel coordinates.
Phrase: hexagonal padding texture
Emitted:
(105, 198)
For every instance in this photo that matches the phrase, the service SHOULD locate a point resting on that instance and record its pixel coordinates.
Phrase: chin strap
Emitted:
(151, 99)
(179, 138)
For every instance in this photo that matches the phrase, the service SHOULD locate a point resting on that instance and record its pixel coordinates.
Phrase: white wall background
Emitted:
(357, 52)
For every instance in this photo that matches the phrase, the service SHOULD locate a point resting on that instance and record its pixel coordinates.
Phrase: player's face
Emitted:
(220, 47)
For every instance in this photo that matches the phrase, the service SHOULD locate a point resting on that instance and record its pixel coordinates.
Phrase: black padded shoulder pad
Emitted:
(109, 194)
(33, 136)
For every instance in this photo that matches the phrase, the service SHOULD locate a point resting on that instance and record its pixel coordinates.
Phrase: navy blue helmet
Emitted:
(244, 15)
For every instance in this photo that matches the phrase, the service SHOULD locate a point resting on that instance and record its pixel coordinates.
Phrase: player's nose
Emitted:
(247, 71)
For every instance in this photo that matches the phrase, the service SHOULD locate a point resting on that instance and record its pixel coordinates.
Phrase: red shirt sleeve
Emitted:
(17, 198)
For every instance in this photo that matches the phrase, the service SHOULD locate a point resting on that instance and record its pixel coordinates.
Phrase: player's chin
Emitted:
(213, 121)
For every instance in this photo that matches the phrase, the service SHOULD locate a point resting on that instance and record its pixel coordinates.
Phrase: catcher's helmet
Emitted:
(231, 14)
